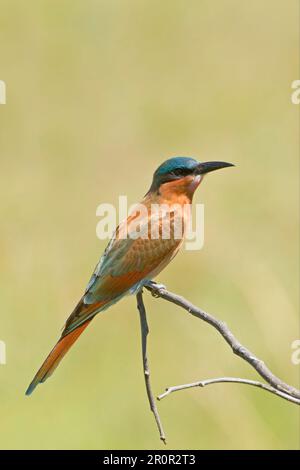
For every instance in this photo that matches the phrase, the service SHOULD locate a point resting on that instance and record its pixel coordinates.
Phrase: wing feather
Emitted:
(124, 264)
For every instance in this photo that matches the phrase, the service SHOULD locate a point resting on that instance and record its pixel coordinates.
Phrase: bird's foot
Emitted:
(155, 285)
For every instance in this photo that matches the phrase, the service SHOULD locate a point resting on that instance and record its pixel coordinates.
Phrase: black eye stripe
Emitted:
(170, 175)
(181, 171)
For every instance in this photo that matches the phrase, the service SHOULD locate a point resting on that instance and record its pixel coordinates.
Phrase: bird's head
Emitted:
(182, 175)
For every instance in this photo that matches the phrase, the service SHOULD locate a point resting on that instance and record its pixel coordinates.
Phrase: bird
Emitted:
(130, 262)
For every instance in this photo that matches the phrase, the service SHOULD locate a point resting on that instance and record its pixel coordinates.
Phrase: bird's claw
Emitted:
(156, 286)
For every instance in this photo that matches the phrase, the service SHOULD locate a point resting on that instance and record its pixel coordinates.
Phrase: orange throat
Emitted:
(179, 191)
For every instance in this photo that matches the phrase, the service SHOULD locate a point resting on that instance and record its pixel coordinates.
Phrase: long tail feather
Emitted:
(55, 356)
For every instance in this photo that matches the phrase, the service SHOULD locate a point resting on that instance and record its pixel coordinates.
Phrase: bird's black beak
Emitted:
(206, 167)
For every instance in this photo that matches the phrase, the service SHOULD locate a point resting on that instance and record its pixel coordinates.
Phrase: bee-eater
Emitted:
(130, 262)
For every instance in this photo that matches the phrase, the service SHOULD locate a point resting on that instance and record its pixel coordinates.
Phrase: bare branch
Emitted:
(254, 383)
(221, 327)
(144, 334)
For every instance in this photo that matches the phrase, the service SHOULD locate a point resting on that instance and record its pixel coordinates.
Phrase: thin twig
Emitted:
(144, 334)
(221, 327)
(204, 383)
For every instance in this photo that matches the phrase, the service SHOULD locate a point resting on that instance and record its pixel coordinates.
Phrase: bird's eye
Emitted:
(180, 172)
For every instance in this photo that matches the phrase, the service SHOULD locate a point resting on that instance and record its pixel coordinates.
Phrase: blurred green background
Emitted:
(99, 93)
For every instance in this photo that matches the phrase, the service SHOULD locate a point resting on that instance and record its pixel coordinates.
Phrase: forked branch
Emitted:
(276, 385)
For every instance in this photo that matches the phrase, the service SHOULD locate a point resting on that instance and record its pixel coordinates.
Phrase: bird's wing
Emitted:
(125, 262)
